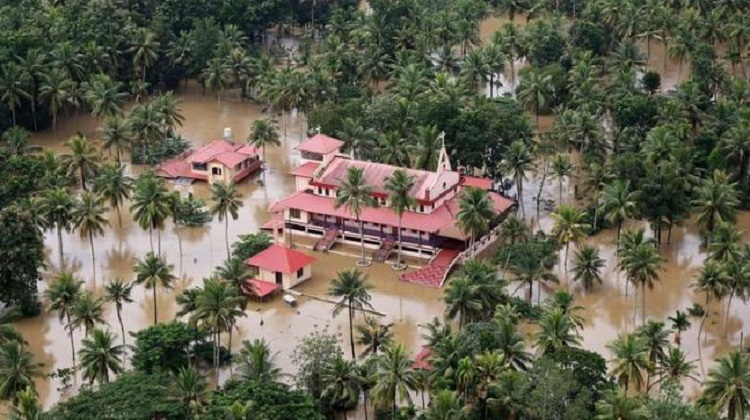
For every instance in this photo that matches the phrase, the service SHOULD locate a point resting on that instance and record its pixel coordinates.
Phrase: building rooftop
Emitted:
(306, 170)
(320, 144)
(259, 288)
(280, 259)
(476, 182)
(223, 151)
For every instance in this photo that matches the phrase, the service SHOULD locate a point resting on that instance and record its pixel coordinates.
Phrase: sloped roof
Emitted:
(320, 144)
(306, 170)
(281, 259)
(376, 175)
(223, 151)
(259, 288)
(476, 182)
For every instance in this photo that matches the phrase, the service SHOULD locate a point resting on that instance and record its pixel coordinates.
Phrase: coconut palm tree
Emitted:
(216, 309)
(630, 359)
(235, 271)
(616, 405)
(463, 301)
(562, 167)
(724, 245)
(190, 387)
(215, 77)
(569, 227)
(100, 357)
(373, 336)
(153, 272)
(114, 186)
(657, 340)
(83, 158)
(356, 196)
(116, 135)
(150, 205)
(511, 344)
(399, 186)
(352, 288)
(528, 268)
(226, 201)
(342, 384)
(674, 367)
(394, 378)
(55, 208)
(61, 295)
(556, 332)
(18, 370)
(105, 96)
(86, 312)
(475, 213)
(88, 218)
(641, 264)
(518, 160)
(56, 91)
(145, 49)
(26, 406)
(728, 386)
(256, 362)
(263, 133)
(680, 323)
(535, 90)
(712, 281)
(618, 203)
(14, 86)
(33, 65)
(514, 230)
(738, 283)
(716, 201)
(16, 141)
(446, 405)
(118, 291)
(587, 267)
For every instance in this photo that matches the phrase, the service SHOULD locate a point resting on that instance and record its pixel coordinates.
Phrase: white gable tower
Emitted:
(444, 162)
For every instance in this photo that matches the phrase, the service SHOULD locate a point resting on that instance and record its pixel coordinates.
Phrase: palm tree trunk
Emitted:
(83, 179)
(398, 255)
(364, 396)
(119, 216)
(231, 327)
(154, 295)
(559, 189)
(72, 342)
(703, 320)
(93, 255)
(33, 111)
(151, 237)
(362, 239)
(596, 209)
(519, 187)
(567, 246)
(351, 330)
(226, 235)
(13, 112)
(726, 317)
(60, 245)
(643, 305)
(122, 326)
(158, 241)
(216, 354)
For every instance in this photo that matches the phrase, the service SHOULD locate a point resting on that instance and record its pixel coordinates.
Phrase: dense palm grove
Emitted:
(387, 82)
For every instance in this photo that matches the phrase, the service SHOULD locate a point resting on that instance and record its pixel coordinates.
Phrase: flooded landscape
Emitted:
(608, 311)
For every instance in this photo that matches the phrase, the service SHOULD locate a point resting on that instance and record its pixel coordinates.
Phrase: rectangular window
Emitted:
(300, 272)
(294, 213)
(421, 208)
(216, 171)
(200, 166)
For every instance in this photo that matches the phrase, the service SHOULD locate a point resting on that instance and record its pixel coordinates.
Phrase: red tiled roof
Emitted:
(421, 359)
(178, 169)
(481, 183)
(321, 144)
(222, 151)
(275, 223)
(376, 174)
(281, 259)
(260, 288)
(306, 170)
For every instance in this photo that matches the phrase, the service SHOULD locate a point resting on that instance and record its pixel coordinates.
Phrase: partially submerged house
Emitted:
(219, 161)
(281, 266)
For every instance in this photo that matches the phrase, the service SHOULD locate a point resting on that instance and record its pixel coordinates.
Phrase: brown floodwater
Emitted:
(608, 311)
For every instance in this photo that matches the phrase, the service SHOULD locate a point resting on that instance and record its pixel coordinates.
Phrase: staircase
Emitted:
(326, 242)
(436, 271)
(382, 254)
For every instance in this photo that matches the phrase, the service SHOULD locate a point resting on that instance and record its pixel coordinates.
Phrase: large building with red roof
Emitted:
(219, 161)
(426, 228)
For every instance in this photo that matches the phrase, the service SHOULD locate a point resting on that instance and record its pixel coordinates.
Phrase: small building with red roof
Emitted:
(218, 161)
(281, 266)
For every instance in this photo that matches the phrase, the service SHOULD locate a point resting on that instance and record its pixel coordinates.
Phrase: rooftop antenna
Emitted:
(317, 129)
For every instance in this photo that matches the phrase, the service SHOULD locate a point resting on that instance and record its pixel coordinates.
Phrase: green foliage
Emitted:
(192, 212)
(312, 356)
(21, 177)
(266, 400)
(22, 253)
(167, 347)
(157, 152)
(250, 244)
(132, 396)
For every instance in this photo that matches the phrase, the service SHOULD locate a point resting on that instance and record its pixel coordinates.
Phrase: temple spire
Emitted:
(444, 163)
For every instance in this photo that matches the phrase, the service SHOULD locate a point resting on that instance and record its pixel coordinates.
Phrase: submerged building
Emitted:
(426, 229)
(221, 160)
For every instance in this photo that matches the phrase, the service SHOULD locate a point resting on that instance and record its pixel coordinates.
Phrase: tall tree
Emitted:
(55, 209)
(118, 291)
(87, 311)
(150, 205)
(641, 262)
(263, 133)
(394, 378)
(728, 386)
(61, 295)
(716, 201)
(399, 187)
(569, 227)
(630, 359)
(114, 186)
(153, 272)
(56, 91)
(100, 357)
(476, 212)
(353, 291)
(518, 160)
(83, 158)
(14, 86)
(88, 218)
(116, 135)
(356, 196)
(535, 91)
(18, 370)
(145, 49)
(587, 267)
(257, 362)
(618, 203)
(562, 168)
(226, 202)
(374, 336)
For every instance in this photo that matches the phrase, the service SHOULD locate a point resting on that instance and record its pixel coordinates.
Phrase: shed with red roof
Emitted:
(280, 265)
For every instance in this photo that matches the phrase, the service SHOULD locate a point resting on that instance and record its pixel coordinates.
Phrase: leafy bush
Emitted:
(262, 400)
(157, 152)
(250, 244)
